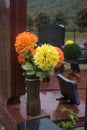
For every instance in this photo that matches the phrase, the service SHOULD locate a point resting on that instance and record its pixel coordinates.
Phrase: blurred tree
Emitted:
(60, 18)
(81, 17)
(30, 23)
(42, 19)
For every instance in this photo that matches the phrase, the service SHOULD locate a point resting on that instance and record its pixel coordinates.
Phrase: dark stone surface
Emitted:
(75, 67)
(83, 58)
(12, 115)
(11, 79)
(40, 124)
(79, 128)
(52, 34)
(5, 79)
(69, 90)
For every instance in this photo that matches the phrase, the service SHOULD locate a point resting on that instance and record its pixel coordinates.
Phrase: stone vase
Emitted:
(33, 104)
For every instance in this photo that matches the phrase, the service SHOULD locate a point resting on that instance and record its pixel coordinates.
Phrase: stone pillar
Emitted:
(12, 22)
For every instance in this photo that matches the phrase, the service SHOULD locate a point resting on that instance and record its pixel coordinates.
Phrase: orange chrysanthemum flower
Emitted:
(61, 57)
(33, 50)
(21, 59)
(24, 41)
(37, 62)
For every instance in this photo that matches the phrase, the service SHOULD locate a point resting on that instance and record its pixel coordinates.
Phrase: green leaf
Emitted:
(64, 109)
(27, 66)
(51, 72)
(41, 75)
(30, 72)
(71, 116)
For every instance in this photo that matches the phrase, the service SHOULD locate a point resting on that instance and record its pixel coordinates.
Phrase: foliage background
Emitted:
(69, 7)
(51, 8)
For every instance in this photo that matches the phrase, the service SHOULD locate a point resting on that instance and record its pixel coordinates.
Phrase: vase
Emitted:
(33, 104)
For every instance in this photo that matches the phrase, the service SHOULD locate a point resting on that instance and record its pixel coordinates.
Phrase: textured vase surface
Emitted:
(33, 97)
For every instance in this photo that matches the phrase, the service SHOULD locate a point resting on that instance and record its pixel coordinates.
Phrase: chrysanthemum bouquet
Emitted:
(37, 61)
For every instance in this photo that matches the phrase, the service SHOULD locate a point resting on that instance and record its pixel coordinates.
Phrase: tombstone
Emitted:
(52, 34)
(11, 23)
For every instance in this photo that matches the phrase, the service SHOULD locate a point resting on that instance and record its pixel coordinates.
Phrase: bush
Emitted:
(72, 51)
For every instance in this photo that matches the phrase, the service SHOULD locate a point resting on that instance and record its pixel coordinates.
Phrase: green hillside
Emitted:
(69, 7)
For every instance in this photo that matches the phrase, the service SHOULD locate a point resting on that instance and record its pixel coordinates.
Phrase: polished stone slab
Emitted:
(79, 128)
(39, 124)
(12, 84)
(12, 115)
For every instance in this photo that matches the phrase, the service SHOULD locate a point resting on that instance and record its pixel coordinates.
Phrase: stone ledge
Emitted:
(11, 117)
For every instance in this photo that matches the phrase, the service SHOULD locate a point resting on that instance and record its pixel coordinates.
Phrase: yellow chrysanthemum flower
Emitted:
(69, 42)
(39, 62)
(46, 57)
